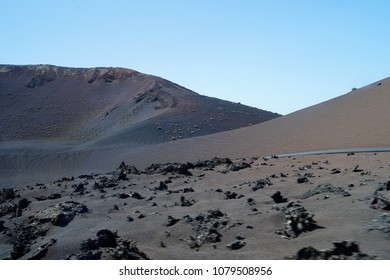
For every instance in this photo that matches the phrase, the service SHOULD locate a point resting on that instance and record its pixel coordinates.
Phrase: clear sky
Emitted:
(276, 55)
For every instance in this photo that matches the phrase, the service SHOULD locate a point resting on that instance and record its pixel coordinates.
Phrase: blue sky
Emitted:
(280, 56)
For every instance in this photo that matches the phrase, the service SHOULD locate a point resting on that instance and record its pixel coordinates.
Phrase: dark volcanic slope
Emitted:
(46, 102)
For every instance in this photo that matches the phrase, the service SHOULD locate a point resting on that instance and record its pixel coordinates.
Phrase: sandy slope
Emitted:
(355, 120)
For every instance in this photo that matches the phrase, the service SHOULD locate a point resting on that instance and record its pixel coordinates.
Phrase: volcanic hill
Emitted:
(44, 102)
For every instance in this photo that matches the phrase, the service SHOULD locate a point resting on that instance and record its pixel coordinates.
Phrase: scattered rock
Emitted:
(240, 237)
(128, 169)
(10, 208)
(357, 169)
(344, 250)
(251, 201)
(211, 164)
(123, 195)
(24, 234)
(122, 176)
(305, 167)
(86, 176)
(302, 179)
(162, 186)
(54, 196)
(40, 198)
(108, 245)
(206, 227)
(105, 183)
(296, 221)
(174, 168)
(42, 250)
(85, 255)
(335, 171)
(194, 242)
(23, 203)
(260, 184)
(172, 221)
(61, 214)
(79, 188)
(328, 188)
(106, 238)
(384, 187)
(183, 169)
(34, 226)
(65, 179)
(378, 201)
(232, 195)
(6, 194)
(137, 195)
(129, 219)
(239, 166)
(185, 202)
(236, 244)
(382, 223)
(2, 227)
(278, 198)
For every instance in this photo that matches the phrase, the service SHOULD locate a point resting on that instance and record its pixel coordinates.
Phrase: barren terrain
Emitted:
(109, 163)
